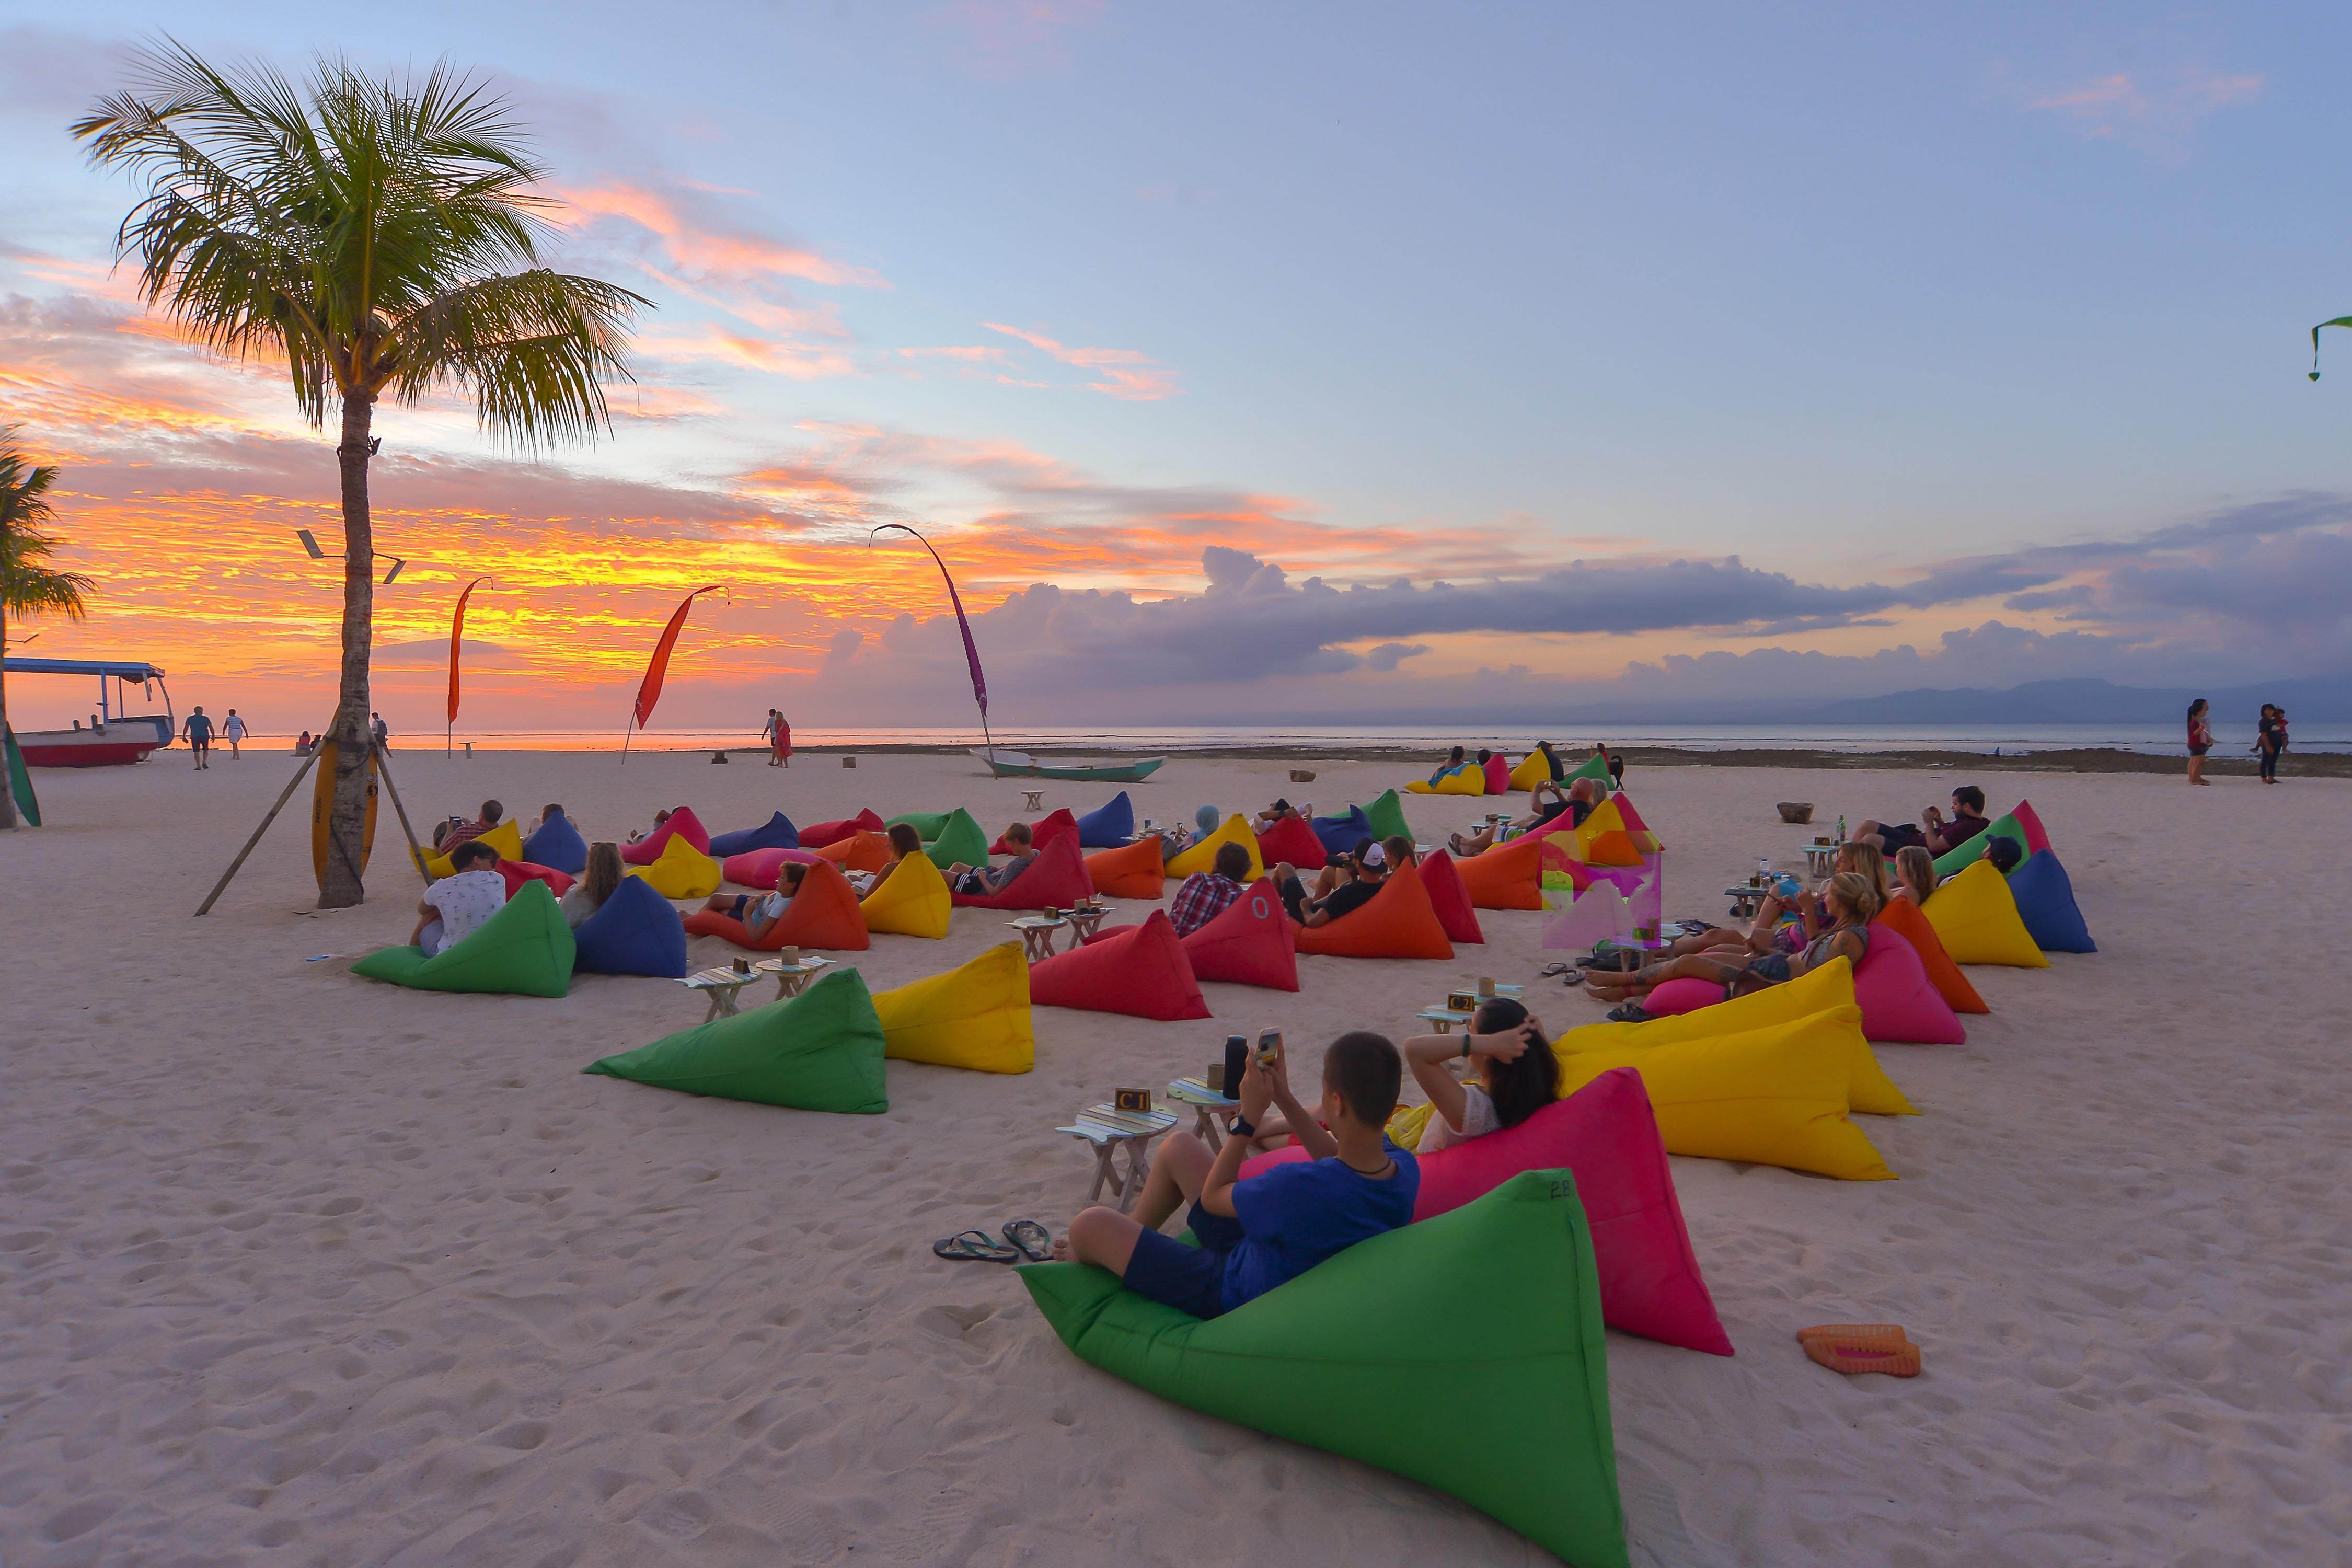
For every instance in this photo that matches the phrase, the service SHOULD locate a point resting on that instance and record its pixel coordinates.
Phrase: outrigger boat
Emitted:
(1007, 764)
(115, 737)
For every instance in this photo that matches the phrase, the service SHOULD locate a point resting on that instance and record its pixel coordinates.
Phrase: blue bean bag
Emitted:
(1108, 827)
(1341, 835)
(636, 932)
(557, 844)
(776, 833)
(2046, 902)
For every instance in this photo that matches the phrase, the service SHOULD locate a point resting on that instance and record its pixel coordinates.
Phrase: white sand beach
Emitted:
(301, 1268)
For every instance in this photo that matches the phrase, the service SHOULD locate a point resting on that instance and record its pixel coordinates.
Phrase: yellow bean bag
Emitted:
(1203, 856)
(1532, 771)
(680, 871)
(506, 839)
(1471, 780)
(1774, 1096)
(976, 1017)
(912, 901)
(1977, 921)
(1828, 989)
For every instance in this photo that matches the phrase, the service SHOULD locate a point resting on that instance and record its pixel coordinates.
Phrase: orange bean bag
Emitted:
(1613, 847)
(1136, 871)
(1250, 943)
(1056, 879)
(818, 834)
(1450, 899)
(1141, 971)
(1507, 877)
(681, 824)
(825, 913)
(1399, 922)
(1910, 921)
(1043, 831)
(861, 851)
(1291, 840)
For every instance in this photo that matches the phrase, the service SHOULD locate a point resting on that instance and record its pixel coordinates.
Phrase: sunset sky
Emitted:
(1249, 361)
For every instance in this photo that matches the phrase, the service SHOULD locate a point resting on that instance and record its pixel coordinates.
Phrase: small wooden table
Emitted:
(722, 986)
(1109, 1129)
(1084, 923)
(1205, 1103)
(1445, 1017)
(1036, 936)
(1745, 900)
(1032, 799)
(791, 978)
(1821, 859)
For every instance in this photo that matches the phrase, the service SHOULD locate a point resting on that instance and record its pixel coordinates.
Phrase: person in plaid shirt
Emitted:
(1205, 895)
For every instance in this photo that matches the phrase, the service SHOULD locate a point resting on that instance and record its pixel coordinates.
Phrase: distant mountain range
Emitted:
(2323, 700)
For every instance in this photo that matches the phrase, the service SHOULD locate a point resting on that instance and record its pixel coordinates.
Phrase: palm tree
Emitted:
(381, 239)
(27, 587)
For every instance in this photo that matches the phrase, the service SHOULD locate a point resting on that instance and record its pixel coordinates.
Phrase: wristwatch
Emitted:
(1237, 1128)
(1465, 1042)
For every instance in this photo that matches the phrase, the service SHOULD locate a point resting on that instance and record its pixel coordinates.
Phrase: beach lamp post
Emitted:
(310, 542)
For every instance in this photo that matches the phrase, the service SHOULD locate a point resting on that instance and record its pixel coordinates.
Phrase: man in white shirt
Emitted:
(233, 731)
(454, 907)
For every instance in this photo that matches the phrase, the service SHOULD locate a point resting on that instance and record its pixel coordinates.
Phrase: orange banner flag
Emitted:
(456, 637)
(649, 689)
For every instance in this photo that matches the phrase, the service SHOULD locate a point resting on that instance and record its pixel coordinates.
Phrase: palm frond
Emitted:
(26, 586)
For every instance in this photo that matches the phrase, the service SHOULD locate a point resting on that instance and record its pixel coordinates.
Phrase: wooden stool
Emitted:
(791, 978)
(1033, 800)
(722, 986)
(1109, 1129)
(1036, 936)
(1084, 923)
(1206, 1102)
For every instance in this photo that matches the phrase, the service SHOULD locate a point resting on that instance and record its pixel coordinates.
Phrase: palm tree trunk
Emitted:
(347, 822)
(8, 779)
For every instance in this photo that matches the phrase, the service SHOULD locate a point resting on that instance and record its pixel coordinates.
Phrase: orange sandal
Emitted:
(1853, 1348)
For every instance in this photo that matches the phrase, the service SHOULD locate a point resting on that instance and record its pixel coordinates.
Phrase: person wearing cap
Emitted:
(1368, 865)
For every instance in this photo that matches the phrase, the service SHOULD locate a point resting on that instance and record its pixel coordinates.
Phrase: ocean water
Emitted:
(2024, 739)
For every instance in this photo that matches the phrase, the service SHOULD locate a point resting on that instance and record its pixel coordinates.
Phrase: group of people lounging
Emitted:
(1549, 801)
(1340, 887)
(1256, 1235)
(1459, 760)
(452, 908)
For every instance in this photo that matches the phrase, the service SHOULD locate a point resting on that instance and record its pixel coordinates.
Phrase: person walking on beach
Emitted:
(233, 731)
(779, 736)
(384, 733)
(2271, 740)
(199, 732)
(2200, 741)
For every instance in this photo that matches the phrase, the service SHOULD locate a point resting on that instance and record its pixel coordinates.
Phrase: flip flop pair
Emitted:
(1029, 1240)
(1854, 1348)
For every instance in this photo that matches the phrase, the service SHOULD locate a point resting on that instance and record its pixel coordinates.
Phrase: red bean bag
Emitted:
(517, 872)
(1450, 899)
(825, 833)
(759, 868)
(1137, 870)
(1291, 840)
(861, 851)
(1904, 916)
(1399, 922)
(1043, 831)
(1249, 943)
(1140, 971)
(1499, 776)
(681, 824)
(825, 913)
(1507, 877)
(1056, 879)
(1608, 1136)
(1899, 1006)
(2029, 822)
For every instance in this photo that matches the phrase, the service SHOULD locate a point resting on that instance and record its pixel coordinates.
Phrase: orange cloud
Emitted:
(698, 248)
(1136, 377)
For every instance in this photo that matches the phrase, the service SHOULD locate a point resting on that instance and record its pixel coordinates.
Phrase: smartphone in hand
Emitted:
(1269, 1048)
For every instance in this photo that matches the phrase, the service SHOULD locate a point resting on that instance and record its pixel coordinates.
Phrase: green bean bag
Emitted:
(1464, 1351)
(1593, 768)
(820, 1051)
(1955, 860)
(959, 842)
(1387, 817)
(526, 949)
(928, 825)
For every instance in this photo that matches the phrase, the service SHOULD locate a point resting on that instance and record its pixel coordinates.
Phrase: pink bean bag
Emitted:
(825, 833)
(1291, 840)
(1056, 879)
(760, 868)
(682, 823)
(1042, 832)
(1499, 776)
(1450, 897)
(1606, 1134)
(2029, 822)
(1900, 1005)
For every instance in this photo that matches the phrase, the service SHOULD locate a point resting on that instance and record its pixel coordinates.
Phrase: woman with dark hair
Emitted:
(2270, 741)
(1454, 764)
(1854, 900)
(1518, 1074)
(2200, 741)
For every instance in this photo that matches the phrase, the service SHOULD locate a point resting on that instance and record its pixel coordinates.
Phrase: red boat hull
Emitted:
(112, 747)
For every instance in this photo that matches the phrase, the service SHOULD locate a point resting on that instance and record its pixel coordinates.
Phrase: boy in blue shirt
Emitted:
(1258, 1233)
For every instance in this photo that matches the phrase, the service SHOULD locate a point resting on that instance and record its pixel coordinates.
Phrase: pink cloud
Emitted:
(1017, 38)
(1126, 373)
(697, 246)
(2161, 107)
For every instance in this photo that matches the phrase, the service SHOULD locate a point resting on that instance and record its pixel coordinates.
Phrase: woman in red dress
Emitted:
(779, 735)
